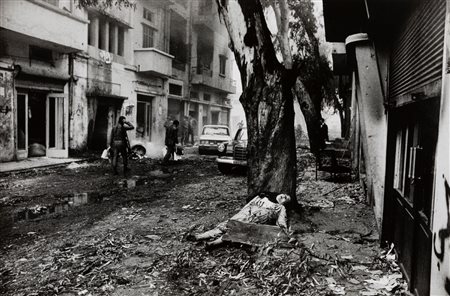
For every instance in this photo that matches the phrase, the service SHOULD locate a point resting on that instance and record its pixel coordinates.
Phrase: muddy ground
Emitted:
(79, 230)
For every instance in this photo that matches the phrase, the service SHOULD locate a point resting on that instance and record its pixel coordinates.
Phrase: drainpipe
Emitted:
(71, 87)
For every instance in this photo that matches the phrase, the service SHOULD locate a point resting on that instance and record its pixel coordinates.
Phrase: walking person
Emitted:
(171, 140)
(119, 143)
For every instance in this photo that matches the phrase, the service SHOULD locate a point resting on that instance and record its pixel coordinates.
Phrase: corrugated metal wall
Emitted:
(417, 51)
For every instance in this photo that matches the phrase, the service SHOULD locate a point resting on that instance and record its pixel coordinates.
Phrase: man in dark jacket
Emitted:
(171, 140)
(323, 133)
(119, 143)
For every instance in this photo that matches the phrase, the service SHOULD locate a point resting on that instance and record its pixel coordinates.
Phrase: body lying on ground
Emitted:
(260, 210)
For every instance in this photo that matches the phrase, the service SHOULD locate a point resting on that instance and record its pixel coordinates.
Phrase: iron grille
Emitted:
(240, 152)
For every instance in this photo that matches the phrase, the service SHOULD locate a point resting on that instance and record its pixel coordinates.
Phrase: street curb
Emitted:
(44, 167)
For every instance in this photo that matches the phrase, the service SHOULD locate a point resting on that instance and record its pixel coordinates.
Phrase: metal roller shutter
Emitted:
(417, 52)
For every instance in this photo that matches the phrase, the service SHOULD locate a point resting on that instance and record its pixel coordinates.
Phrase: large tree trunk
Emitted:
(311, 116)
(268, 106)
(267, 99)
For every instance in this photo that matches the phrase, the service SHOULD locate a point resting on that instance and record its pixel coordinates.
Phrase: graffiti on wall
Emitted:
(443, 235)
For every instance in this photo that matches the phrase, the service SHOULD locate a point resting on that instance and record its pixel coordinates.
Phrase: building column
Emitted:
(93, 31)
(354, 128)
(115, 39)
(373, 118)
(124, 47)
(200, 123)
(104, 35)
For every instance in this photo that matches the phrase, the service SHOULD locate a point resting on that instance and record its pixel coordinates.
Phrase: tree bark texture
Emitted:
(266, 98)
(310, 114)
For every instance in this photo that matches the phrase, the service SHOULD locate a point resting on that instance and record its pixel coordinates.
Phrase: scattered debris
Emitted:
(76, 165)
(135, 243)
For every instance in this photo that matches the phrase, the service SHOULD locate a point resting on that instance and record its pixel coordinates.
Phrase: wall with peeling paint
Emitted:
(373, 123)
(7, 111)
(440, 257)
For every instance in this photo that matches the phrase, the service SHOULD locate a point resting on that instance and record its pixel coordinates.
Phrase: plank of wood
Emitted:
(254, 234)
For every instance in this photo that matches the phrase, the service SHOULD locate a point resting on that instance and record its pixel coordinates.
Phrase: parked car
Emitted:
(233, 154)
(211, 137)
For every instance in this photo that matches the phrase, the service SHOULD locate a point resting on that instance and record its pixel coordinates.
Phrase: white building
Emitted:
(66, 73)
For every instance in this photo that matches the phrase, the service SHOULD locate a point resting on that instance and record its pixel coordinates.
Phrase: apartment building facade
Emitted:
(398, 55)
(201, 80)
(67, 73)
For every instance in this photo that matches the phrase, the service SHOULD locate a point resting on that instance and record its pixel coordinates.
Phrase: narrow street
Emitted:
(79, 230)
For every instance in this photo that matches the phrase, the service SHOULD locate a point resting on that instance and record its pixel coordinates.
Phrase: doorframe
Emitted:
(53, 152)
(22, 153)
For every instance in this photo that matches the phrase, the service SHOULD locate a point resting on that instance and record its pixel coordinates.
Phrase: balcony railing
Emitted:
(152, 60)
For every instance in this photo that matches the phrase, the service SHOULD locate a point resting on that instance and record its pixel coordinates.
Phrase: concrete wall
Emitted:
(7, 131)
(440, 257)
(44, 21)
(78, 114)
(158, 24)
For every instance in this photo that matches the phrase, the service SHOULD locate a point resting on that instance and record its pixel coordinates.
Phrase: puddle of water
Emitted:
(65, 204)
(74, 200)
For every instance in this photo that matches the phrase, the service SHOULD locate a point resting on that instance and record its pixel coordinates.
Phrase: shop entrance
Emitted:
(107, 112)
(42, 125)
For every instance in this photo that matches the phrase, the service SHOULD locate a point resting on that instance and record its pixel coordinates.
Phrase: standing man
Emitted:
(192, 124)
(323, 133)
(171, 140)
(184, 130)
(119, 143)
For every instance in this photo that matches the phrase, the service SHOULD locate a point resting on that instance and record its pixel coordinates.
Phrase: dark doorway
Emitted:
(100, 133)
(413, 132)
(215, 117)
(37, 123)
(100, 125)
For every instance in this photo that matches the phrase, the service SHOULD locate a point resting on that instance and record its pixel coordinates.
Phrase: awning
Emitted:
(27, 81)
(105, 96)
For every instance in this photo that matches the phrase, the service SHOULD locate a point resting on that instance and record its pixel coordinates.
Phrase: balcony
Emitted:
(153, 61)
(121, 15)
(221, 83)
(45, 22)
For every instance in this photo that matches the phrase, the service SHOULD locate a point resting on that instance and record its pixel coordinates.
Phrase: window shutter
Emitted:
(417, 52)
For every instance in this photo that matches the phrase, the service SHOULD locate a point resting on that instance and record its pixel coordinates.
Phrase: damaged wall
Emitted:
(7, 145)
(78, 114)
(440, 257)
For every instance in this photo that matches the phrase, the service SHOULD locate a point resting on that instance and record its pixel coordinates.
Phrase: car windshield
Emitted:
(215, 130)
(241, 135)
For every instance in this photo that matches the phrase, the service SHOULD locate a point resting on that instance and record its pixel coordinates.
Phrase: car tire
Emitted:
(139, 150)
(200, 151)
(224, 168)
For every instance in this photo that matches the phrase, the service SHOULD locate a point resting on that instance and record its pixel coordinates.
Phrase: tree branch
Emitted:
(282, 18)
(250, 38)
